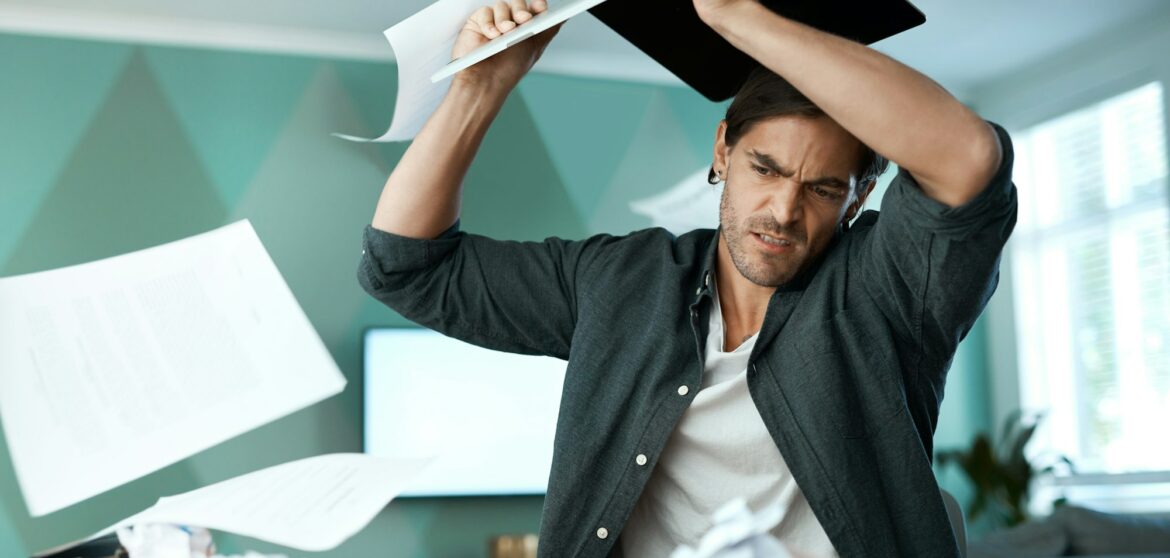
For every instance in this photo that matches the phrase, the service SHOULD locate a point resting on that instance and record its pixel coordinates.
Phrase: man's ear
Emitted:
(719, 157)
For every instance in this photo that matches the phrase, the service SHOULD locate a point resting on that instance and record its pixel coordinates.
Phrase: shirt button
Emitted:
(641, 459)
(683, 390)
(602, 533)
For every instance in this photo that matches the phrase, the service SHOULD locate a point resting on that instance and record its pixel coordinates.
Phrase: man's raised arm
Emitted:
(519, 297)
(422, 196)
(900, 113)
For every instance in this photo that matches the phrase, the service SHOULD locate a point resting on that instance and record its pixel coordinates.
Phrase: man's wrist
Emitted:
(727, 18)
(475, 104)
(480, 88)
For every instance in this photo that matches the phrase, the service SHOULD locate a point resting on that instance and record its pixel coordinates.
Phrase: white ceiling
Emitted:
(963, 43)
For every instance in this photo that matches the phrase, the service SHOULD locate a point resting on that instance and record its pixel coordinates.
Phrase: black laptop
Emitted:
(695, 53)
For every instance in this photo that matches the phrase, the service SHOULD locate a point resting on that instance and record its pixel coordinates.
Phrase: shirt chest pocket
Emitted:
(845, 374)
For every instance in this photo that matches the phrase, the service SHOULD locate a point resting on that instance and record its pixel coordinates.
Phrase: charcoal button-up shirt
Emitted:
(847, 372)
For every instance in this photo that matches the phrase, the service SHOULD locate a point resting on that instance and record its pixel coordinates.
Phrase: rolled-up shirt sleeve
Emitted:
(930, 267)
(385, 254)
(515, 296)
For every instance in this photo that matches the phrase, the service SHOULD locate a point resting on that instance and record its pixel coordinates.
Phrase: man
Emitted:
(788, 358)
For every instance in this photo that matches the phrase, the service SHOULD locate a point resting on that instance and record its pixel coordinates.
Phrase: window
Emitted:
(1091, 268)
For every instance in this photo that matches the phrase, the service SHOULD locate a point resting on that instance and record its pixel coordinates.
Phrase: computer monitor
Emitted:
(488, 416)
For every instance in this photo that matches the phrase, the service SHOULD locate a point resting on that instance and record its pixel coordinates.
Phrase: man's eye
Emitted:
(825, 192)
(760, 170)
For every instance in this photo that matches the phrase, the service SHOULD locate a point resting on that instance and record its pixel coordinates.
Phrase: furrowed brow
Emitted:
(828, 181)
(767, 161)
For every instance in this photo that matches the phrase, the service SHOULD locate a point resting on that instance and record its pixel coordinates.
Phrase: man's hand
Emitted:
(422, 196)
(506, 68)
(711, 10)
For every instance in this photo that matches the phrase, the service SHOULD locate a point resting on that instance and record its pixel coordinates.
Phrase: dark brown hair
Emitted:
(766, 95)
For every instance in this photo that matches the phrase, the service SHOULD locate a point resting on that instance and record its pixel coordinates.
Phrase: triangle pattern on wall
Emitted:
(373, 86)
(513, 186)
(586, 127)
(232, 106)
(697, 117)
(37, 142)
(133, 181)
(659, 138)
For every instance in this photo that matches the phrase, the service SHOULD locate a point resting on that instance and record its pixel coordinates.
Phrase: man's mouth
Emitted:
(774, 243)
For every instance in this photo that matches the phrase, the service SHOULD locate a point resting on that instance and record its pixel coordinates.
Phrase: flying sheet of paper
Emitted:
(116, 368)
(691, 204)
(422, 45)
(311, 504)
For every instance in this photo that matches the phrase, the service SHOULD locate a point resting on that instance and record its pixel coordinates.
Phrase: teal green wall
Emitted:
(966, 410)
(107, 148)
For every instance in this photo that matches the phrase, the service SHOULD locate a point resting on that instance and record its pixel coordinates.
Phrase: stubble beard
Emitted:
(765, 270)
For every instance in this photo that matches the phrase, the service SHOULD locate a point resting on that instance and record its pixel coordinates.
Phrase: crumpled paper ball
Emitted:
(173, 541)
(737, 533)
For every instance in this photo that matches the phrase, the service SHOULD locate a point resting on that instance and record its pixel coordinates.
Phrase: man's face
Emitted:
(790, 181)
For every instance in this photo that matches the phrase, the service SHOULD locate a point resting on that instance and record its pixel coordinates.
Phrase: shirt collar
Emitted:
(707, 271)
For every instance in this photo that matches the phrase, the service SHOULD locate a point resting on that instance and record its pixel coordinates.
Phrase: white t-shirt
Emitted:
(719, 450)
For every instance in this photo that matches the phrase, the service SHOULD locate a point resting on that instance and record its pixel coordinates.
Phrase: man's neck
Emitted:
(744, 303)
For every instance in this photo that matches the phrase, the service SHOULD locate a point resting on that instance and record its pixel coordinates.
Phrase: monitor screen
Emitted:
(488, 416)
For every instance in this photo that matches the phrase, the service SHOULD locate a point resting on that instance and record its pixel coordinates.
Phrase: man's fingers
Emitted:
(520, 11)
(503, 16)
(484, 18)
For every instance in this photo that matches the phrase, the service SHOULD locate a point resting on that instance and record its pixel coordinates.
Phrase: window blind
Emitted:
(1091, 280)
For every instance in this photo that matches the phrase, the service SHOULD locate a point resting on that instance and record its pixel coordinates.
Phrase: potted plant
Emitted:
(1001, 479)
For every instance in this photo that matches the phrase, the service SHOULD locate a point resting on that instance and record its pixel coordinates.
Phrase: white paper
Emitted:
(557, 12)
(691, 204)
(163, 541)
(422, 45)
(738, 533)
(113, 369)
(313, 504)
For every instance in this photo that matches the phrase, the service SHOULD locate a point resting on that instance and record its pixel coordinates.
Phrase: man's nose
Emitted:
(787, 205)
